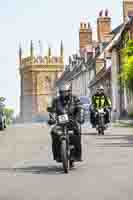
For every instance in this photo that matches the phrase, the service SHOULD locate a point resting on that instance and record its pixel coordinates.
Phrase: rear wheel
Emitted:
(64, 156)
(71, 163)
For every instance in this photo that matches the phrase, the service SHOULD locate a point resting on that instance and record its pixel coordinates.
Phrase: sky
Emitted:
(49, 21)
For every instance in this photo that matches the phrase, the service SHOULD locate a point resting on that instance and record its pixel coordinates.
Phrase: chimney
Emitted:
(85, 35)
(127, 9)
(103, 27)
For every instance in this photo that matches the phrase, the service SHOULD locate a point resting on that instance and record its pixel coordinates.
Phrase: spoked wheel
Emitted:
(100, 131)
(64, 156)
(71, 163)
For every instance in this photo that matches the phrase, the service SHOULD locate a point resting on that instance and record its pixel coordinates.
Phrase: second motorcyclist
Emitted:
(100, 100)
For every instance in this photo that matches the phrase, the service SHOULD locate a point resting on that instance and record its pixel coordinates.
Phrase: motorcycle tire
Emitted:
(64, 156)
(71, 163)
(100, 131)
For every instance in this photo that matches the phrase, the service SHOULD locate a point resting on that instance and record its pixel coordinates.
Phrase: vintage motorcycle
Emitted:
(100, 121)
(65, 133)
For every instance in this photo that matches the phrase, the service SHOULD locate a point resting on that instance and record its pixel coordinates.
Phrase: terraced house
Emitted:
(108, 74)
(100, 61)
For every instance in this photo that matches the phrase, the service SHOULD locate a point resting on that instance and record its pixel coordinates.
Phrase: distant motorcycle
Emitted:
(64, 133)
(100, 121)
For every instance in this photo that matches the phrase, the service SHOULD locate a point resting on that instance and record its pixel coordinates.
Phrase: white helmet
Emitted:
(100, 88)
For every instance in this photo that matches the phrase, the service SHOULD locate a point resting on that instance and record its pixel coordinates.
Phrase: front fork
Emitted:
(69, 147)
(100, 121)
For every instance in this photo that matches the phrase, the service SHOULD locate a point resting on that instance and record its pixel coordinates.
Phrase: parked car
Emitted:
(86, 102)
(40, 118)
(2, 121)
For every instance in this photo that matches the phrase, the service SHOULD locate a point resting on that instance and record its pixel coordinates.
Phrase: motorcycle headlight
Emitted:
(70, 132)
(59, 132)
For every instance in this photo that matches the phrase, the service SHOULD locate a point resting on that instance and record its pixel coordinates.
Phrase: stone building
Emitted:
(38, 78)
(80, 69)
(108, 70)
(127, 9)
(83, 70)
(122, 99)
(78, 73)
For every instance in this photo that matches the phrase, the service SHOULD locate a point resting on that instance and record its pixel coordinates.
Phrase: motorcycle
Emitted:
(64, 134)
(100, 121)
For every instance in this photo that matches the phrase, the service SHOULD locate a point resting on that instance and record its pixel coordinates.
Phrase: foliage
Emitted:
(127, 69)
(7, 111)
(9, 114)
(130, 114)
(2, 99)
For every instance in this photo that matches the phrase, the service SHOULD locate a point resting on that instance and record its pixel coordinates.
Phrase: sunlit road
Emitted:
(27, 171)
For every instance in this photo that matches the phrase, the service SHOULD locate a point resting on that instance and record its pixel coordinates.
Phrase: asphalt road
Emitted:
(27, 171)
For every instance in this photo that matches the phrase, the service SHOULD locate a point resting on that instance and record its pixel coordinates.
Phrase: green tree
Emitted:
(7, 111)
(127, 69)
(2, 99)
(2, 104)
(9, 114)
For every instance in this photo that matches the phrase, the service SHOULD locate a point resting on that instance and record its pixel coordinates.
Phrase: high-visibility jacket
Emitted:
(101, 101)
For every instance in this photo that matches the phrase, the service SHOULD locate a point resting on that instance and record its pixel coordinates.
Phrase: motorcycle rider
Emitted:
(70, 103)
(100, 100)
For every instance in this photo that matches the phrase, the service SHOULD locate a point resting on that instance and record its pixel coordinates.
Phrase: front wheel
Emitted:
(64, 156)
(71, 163)
(100, 131)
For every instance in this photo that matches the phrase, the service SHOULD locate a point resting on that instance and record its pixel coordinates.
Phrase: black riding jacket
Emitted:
(72, 106)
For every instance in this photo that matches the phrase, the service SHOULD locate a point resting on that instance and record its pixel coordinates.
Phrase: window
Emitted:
(47, 82)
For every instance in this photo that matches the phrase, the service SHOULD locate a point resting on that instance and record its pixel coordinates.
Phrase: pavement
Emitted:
(122, 123)
(28, 172)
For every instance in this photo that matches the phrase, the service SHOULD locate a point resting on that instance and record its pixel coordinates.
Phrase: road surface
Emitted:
(27, 171)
